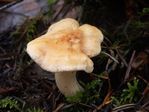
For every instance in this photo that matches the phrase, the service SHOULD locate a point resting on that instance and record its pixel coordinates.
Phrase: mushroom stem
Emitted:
(67, 83)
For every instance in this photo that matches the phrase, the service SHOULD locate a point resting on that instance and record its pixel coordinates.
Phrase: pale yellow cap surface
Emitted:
(92, 38)
(64, 24)
(59, 54)
(66, 47)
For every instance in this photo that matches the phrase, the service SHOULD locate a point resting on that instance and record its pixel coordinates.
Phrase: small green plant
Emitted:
(27, 31)
(89, 95)
(9, 103)
(31, 29)
(50, 11)
(129, 95)
(51, 1)
(76, 98)
(91, 92)
(139, 24)
(34, 110)
(145, 11)
(13, 105)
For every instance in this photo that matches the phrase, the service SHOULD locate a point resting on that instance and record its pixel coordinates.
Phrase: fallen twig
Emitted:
(110, 56)
(105, 102)
(9, 4)
(121, 57)
(127, 75)
(123, 107)
(59, 107)
(107, 99)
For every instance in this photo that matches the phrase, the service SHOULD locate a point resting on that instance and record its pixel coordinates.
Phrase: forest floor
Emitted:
(120, 80)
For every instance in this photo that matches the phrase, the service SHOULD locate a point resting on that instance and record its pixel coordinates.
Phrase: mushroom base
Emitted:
(67, 83)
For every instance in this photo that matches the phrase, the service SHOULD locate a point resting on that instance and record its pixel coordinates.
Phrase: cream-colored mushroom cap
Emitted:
(64, 24)
(65, 49)
(60, 54)
(92, 38)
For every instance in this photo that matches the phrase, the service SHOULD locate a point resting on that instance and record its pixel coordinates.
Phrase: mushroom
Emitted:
(66, 50)
(64, 24)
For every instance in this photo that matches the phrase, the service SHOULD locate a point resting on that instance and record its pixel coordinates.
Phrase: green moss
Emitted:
(89, 95)
(9, 103)
(128, 95)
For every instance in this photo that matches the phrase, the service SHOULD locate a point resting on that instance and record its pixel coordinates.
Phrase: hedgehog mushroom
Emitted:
(65, 51)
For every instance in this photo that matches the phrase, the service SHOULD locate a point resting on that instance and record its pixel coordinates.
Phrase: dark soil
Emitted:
(124, 57)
